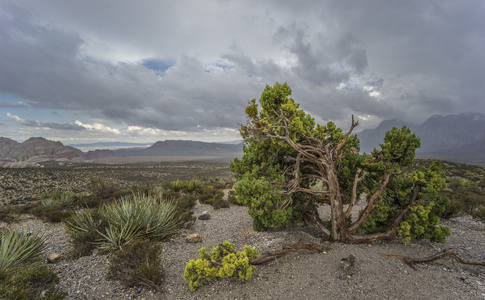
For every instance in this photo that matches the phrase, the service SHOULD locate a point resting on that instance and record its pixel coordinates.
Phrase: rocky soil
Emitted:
(301, 275)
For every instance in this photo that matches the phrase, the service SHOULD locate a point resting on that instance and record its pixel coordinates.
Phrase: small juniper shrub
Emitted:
(102, 188)
(213, 196)
(138, 264)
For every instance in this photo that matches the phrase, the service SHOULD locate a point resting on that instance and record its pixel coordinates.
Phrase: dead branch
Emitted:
(270, 256)
(445, 253)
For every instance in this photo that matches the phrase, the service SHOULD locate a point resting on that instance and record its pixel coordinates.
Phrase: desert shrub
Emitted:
(101, 187)
(227, 263)
(139, 263)
(184, 206)
(30, 283)
(212, 196)
(465, 197)
(480, 214)
(54, 214)
(18, 248)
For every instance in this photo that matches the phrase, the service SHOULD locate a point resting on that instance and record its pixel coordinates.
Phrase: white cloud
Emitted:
(97, 127)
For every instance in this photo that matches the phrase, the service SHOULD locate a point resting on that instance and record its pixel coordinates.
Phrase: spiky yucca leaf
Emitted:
(82, 223)
(118, 236)
(66, 198)
(19, 247)
(48, 202)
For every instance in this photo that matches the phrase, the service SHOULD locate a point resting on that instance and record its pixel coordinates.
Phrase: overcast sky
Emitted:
(144, 71)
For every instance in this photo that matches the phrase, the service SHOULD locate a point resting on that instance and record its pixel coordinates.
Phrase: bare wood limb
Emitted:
(445, 253)
(352, 127)
(370, 205)
(270, 256)
(316, 224)
(354, 193)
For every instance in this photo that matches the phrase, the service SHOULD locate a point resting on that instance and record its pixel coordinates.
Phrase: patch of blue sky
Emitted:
(218, 66)
(199, 110)
(157, 65)
(10, 101)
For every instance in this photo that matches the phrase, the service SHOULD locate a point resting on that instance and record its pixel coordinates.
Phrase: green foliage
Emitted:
(18, 248)
(139, 264)
(30, 283)
(222, 262)
(265, 202)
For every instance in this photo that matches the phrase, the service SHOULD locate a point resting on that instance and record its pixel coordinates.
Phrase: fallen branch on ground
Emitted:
(270, 256)
(445, 253)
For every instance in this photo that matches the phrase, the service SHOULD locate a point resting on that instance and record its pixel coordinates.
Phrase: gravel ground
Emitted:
(301, 275)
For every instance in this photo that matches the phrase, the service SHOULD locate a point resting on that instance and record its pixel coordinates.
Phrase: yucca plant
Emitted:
(19, 247)
(176, 185)
(66, 198)
(83, 222)
(83, 228)
(192, 185)
(49, 202)
(137, 216)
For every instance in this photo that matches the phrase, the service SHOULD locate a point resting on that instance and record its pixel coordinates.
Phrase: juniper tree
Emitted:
(292, 166)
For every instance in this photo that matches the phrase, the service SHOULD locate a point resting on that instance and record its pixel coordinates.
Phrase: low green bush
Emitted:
(222, 262)
(138, 264)
(31, 283)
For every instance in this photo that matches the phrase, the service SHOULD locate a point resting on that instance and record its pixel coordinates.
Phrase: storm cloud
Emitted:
(180, 68)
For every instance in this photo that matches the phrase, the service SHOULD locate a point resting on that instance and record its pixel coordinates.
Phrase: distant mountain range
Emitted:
(38, 151)
(458, 137)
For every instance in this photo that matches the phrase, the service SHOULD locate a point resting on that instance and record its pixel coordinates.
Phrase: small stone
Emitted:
(205, 216)
(193, 238)
(54, 257)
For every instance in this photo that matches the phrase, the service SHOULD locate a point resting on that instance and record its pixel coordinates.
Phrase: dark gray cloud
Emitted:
(160, 65)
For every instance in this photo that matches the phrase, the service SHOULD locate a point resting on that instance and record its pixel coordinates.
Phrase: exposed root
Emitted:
(445, 253)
